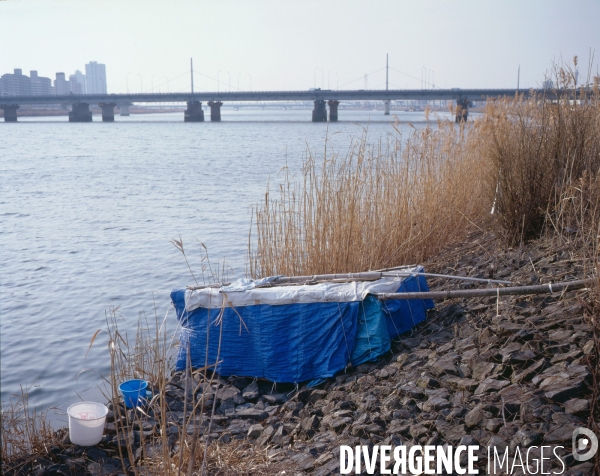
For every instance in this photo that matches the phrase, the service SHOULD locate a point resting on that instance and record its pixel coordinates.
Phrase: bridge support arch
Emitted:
(215, 110)
(194, 112)
(333, 110)
(108, 111)
(319, 113)
(80, 112)
(10, 112)
(462, 110)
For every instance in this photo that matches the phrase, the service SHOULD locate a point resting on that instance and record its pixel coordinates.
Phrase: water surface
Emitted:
(88, 212)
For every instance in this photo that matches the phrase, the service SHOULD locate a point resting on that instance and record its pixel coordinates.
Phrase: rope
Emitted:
(344, 331)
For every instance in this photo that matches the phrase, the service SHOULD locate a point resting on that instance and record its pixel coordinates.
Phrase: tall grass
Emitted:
(24, 432)
(376, 206)
(541, 149)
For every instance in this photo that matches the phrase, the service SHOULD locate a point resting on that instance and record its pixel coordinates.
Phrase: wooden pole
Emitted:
(349, 277)
(512, 291)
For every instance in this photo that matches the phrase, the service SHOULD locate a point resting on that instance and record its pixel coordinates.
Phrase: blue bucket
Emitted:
(134, 392)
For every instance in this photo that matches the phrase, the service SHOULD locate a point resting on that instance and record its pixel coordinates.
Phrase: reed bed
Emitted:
(376, 206)
(543, 151)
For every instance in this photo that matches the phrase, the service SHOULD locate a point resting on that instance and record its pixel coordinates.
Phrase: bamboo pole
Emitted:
(349, 277)
(515, 290)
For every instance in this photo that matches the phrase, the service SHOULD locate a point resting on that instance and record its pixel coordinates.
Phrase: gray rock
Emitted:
(563, 390)
(417, 431)
(411, 343)
(456, 412)
(228, 392)
(530, 372)
(467, 440)
(474, 417)
(255, 431)
(317, 395)
(275, 398)
(482, 369)
(413, 392)
(252, 414)
(577, 406)
(527, 437)
(247, 406)
(266, 436)
(491, 385)
(588, 347)
(251, 392)
(492, 424)
(238, 427)
(435, 404)
(455, 433)
(280, 437)
(427, 382)
(102, 469)
(337, 424)
(567, 356)
(445, 365)
(559, 434)
(310, 423)
(497, 443)
(463, 383)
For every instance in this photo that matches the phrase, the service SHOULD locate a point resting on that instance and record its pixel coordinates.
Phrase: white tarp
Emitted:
(243, 293)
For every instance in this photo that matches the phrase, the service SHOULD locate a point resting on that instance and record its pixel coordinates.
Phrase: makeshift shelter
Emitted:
(294, 333)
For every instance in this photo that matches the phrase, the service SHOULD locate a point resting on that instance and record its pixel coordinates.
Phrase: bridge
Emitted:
(321, 98)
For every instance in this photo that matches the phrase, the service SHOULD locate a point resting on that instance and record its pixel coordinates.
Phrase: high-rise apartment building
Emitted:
(79, 77)
(61, 85)
(95, 78)
(15, 84)
(40, 86)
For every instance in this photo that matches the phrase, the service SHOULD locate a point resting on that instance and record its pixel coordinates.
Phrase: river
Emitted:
(88, 212)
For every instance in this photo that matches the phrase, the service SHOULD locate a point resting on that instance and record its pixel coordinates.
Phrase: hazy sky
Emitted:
(299, 44)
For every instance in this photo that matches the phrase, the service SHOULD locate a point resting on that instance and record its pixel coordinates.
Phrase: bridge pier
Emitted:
(80, 112)
(108, 111)
(215, 110)
(194, 112)
(386, 107)
(319, 113)
(462, 110)
(124, 109)
(333, 110)
(10, 112)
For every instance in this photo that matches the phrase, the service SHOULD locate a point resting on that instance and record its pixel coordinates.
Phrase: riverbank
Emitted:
(513, 372)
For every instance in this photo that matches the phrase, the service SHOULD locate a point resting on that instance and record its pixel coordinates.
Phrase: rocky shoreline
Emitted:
(509, 373)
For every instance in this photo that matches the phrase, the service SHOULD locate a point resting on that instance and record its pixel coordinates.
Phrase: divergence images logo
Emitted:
(585, 444)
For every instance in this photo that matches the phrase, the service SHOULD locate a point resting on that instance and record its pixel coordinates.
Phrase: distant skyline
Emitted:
(275, 45)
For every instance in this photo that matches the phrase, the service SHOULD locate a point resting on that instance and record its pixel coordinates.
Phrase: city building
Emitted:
(75, 87)
(95, 78)
(15, 84)
(80, 78)
(40, 86)
(61, 85)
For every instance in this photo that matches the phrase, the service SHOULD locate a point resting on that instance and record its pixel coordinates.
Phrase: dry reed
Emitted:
(25, 433)
(374, 207)
(542, 149)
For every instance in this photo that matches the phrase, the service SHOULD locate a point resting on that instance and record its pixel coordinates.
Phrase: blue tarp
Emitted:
(295, 342)
(381, 321)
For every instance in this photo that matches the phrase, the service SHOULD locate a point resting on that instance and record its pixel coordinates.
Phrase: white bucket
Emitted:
(86, 423)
